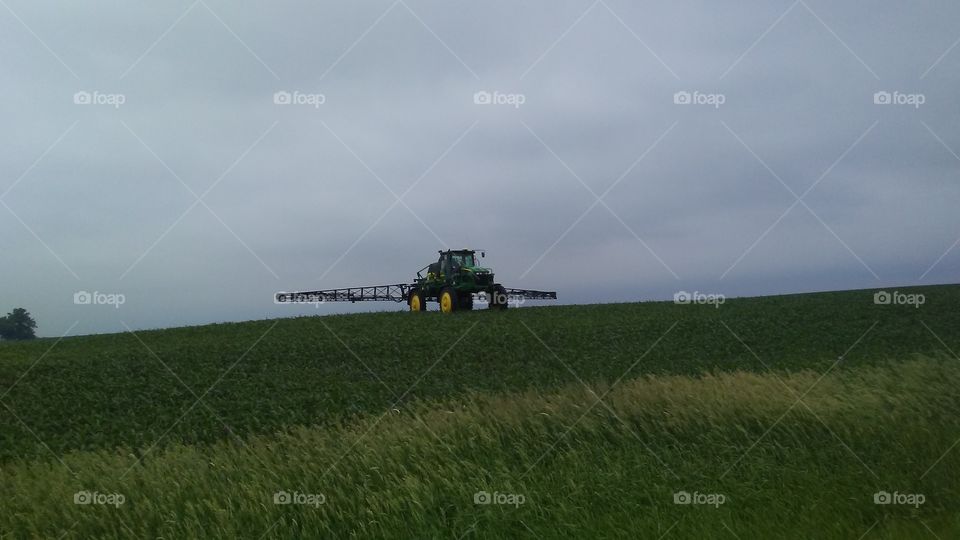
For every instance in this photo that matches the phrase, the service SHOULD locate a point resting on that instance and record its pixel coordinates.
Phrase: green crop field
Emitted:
(804, 416)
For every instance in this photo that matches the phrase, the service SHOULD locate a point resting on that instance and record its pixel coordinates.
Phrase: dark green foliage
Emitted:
(17, 325)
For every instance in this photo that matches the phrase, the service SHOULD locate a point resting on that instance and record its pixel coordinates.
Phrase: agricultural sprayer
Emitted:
(452, 282)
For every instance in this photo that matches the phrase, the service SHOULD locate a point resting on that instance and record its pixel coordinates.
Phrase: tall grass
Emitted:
(785, 468)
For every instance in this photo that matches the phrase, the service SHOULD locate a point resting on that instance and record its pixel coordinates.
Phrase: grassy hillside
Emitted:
(109, 390)
(399, 419)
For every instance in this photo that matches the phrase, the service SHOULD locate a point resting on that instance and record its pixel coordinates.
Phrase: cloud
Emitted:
(304, 195)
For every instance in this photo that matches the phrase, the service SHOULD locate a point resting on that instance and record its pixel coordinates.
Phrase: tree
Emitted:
(18, 324)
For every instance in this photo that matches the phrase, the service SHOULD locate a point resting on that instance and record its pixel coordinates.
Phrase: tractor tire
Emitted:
(416, 302)
(498, 298)
(448, 300)
(465, 303)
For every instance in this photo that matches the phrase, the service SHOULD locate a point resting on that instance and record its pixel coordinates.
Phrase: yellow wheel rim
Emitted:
(415, 302)
(446, 302)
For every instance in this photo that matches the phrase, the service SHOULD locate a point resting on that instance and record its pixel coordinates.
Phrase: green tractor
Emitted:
(452, 281)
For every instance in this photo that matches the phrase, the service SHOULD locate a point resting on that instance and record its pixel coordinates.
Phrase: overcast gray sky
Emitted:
(780, 170)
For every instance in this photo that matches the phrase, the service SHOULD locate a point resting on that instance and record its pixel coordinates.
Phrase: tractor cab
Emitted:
(452, 262)
(460, 267)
